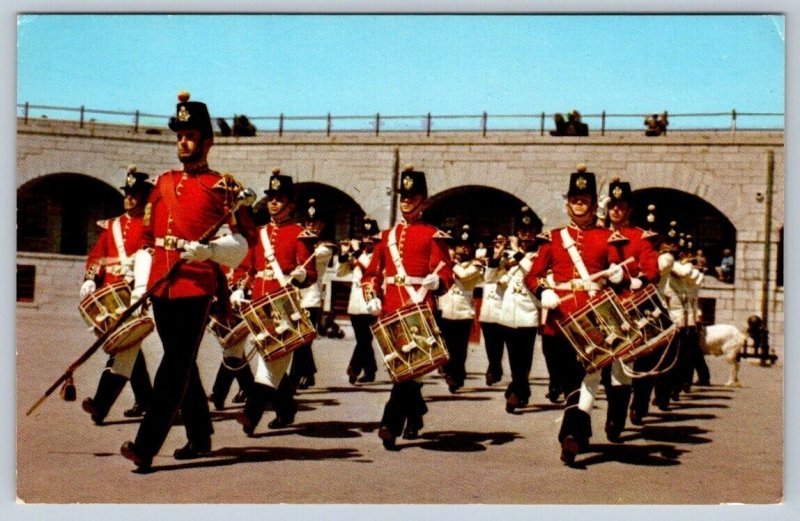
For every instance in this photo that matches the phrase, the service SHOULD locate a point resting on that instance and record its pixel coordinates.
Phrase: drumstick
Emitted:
(598, 275)
(246, 197)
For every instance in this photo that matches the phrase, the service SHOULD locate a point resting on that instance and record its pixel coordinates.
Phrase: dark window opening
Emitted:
(26, 282)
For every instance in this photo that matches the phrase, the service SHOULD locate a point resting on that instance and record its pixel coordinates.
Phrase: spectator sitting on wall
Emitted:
(725, 268)
(574, 125)
(561, 125)
(656, 125)
(571, 127)
(701, 263)
(224, 128)
(242, 127)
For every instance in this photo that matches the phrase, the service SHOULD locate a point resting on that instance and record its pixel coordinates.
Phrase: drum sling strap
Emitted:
(574, 254)
(119, 241)
(269, 255)
(416, 296)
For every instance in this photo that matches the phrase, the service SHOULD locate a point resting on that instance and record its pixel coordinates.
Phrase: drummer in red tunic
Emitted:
(638, 244)
(281, 256)
(184, 206)
(566, 260)
(109, 262)
(411, 264)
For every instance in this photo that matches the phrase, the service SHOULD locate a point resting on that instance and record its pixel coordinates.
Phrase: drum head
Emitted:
(128, 335)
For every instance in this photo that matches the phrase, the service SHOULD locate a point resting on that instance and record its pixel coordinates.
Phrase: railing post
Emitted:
(280, 125)
(603, 123)
(541, 125)
(377, 123)
(428, 125)
(83, 109)
(27, 110)
(483, 123)
(136, 123)
(328, 130)
(733, 121)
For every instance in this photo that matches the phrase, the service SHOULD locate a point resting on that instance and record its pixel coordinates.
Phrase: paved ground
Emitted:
(718, 445)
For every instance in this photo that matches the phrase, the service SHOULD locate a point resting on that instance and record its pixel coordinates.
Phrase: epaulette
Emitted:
(439, 234)
(227, 183)
(307, 235)
(545, 236)
(617, 237)
(649, 234)
(104, 223)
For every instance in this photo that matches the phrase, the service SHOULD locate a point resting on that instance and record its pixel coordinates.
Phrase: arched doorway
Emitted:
(56, 213)
(710, 229)
(488, 211)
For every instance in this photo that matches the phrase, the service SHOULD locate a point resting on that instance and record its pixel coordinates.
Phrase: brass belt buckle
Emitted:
(399, 280)
(170, 242)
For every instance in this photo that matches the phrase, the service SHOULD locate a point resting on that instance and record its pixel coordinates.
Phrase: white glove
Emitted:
(229, 250)
(128, 267)
(374, 307)
(480, 253)
(196, 252)
(237, 297)
(136, 293)
(665, 261)
(550, 299)
(298, 274)
(682, 269)
(615, 273)
(87, 288)
(636, 283)
(431, 282)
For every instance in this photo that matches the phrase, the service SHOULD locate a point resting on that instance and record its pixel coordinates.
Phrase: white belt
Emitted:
(577, 285)
(399, 280)
(171, 242)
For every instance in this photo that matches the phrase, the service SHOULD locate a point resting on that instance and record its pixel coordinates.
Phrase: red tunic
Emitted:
(597, 254)
(422, 248)
(103, 263)
(293, 246)
(630, 241)
(202, 200)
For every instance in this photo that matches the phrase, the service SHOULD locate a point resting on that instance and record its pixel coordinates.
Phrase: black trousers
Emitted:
(456, 338)
(405, 404)
(140, 381)
(493, 341)
(303, 358)
(180, 324)
(363, 358)
(520, 342)
(565, 370)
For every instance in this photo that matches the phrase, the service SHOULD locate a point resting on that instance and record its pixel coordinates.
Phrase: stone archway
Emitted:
(487, 210)
(710, 229)
(56, 212)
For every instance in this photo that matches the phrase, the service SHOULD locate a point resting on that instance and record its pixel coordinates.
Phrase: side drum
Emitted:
(101, 310)
(278, 324)
(600, 331)
(411, 343)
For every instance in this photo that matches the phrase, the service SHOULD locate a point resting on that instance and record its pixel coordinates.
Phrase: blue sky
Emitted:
(263, 65)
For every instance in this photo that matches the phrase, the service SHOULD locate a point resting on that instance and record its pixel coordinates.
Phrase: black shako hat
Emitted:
(412, 182)
(191, 115)
(136, 182)
(619, 191)
(280, 184)
(582, 182)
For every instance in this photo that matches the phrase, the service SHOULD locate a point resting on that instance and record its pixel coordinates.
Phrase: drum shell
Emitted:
(278, 323)
(600, 331)
(648, 312)
(101, 310)
(229, 334)
(414, 328)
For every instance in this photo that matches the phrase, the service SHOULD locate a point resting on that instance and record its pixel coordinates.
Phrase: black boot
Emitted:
(285, 406)
(618, 398)
(142, 388)
(108, 389)
(222, 383)
(257, 399)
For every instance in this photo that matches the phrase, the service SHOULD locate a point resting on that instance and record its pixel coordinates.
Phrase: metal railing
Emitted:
(428, 123)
